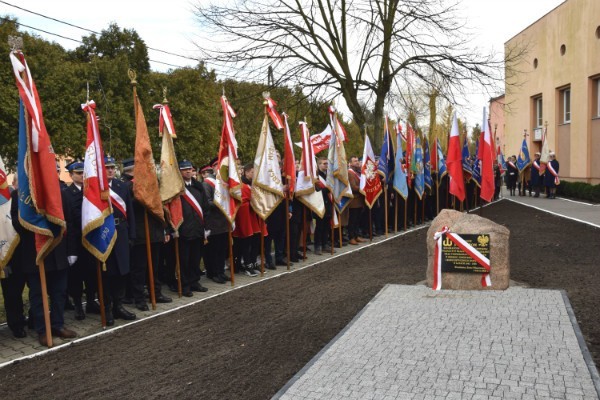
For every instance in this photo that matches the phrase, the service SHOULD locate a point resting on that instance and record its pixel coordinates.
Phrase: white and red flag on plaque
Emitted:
(171, 184)
(227, 183)
(289, 160)
(267, 186)
(40, 203)
(370, 184)
(308, 176)
(465, 247)
(487, 161)
(454, 162)
(97, 219)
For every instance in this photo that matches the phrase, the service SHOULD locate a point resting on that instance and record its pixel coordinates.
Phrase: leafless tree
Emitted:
(355, 48)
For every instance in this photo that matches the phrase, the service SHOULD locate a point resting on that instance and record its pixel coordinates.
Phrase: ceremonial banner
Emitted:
(410, 151)
(97, 219)
(523, 160)
(145, 183)
(40, 202)
(336, 125)
(370, 184)
(319, 141)
(289, 161)
(267, 187)
(337, 171)
(9, 238)
(455, 163)
(418, 169)
(545, 153)
(171, 183)
(385, 167)
(487, 162)
(427, 164)
(476, 164)
(227, 186)
(441, 162)
(308, 176)
(399, 181)
(466, 160)
(501, 160)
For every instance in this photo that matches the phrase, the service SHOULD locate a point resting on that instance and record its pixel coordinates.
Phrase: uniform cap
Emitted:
(185, 164)
(75, 166)
(109, 161)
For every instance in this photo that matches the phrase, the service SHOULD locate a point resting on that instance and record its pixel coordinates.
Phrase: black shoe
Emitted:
(173, 288)
(270, 266)
(282, 262)
(198, 288)
(225, 277)
(217, 279)
(295, 259)
(142, 306)
(188, 293)
(121, 312)
(79, 314)
(92, 307)
(19, 333)
(110, 320)
(161, 298)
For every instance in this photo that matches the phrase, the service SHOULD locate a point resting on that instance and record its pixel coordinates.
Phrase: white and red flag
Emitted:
(370, 184)
(336, 124)
(308, 176)
(454, 163)
(545, 154)
(97, 220)
(227, 186)
(289, 160)
(487, 161)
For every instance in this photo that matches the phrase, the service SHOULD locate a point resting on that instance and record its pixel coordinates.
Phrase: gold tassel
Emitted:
(104, 266)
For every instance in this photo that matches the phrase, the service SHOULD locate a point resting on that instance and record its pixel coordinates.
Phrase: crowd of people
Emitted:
(533, 178)
(203, 241)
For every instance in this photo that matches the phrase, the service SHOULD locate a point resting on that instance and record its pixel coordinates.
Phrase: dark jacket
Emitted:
(215, 221)
(193, 224)
(125, 228)
(72, 200)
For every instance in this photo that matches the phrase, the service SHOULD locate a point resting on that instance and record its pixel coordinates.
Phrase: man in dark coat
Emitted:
(56, 268)
(117, 264)
(551, 176)
(82, 263)
(536, 179)
(357, 203)
(138, 256)
(195, 206)
(323, 225)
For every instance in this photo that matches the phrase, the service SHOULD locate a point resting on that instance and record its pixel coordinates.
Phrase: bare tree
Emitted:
(354, 48)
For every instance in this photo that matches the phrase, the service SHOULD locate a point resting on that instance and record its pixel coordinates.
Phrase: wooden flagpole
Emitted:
(386, 208)
(287, 231)
(150, 267)
(178, 267)
(303, 232)
(42, 271)
(405, 207)
(415, 207)
(370, 225)
(231, 265)
(262, 250)
(340, 227)
(333, 228)
(396, 212)
(100, 294)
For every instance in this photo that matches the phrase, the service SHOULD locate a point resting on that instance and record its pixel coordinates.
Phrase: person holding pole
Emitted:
(357, 203)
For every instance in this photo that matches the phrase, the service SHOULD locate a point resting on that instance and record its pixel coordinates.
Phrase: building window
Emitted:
(565, 96)
(596, 97)
(538, 112)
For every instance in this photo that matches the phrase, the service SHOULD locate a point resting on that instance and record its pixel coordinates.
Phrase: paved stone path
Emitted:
(577, 210)
(412, 343)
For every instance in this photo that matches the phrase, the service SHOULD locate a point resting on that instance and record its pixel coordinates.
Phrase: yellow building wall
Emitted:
(573, 24)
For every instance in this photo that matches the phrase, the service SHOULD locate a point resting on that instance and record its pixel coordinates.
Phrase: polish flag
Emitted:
(454, 163)
(487, 165)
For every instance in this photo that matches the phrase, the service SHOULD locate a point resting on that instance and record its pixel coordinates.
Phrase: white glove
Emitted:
(206, 234)
(72, 260)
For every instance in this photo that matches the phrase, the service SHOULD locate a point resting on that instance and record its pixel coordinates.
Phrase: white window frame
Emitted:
(539, 116)
(566, 98)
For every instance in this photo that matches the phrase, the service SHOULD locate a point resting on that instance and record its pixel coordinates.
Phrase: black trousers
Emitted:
(139, 270)
(354, 222)
(190, 254)
(12, 291)
(215, 253)
(56, 283)
(83, 272)
(113, 288)
(322, 231)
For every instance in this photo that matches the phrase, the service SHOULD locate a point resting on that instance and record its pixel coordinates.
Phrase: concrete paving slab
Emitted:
(410, 342)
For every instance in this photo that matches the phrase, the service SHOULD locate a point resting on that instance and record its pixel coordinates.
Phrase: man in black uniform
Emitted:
(138, 256)
(194, 203)
(117, 264)
(82, 263)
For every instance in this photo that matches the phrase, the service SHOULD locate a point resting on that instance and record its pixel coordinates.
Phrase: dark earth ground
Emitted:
(249, 343)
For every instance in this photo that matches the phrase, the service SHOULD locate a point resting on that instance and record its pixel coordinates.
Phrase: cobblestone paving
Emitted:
(413, 343)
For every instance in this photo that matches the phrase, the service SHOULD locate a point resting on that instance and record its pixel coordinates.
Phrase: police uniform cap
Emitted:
(74, 166)
(185, 164)
(127, 164)
(109, 161)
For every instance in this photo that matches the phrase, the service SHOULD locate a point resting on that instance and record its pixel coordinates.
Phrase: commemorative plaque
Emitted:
(454, 259)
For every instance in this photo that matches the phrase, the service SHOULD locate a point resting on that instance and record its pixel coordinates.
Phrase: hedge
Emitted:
(580, 190)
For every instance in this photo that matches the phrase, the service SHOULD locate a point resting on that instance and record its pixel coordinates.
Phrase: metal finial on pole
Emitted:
(15, 43)
(87, 92)
(132, 76)
(164, 90)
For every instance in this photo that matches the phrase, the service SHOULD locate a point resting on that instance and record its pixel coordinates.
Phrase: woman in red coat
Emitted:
(246, 225)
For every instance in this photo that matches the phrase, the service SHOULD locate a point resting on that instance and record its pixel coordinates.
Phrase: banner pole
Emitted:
(385, 197)
(42, 271)
(150, 267)
(303, 233)
(370, 226)
(405, 207)
(333, 228)
(287, 231)
(231, 265)
(178, 267)
(340, 227)
(100, 294)
(396, 212)
(262, 250)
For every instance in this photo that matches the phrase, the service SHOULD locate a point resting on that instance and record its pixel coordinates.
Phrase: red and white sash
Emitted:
(194, 203)
(536, 165)
(118, 202)
(512, 165)
(354, 172)
(211, 181)
(554, 173)
(464, 246)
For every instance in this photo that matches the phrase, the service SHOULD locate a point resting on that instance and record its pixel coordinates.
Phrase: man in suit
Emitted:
(81, 262)
(117, 264)
(195, 207)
